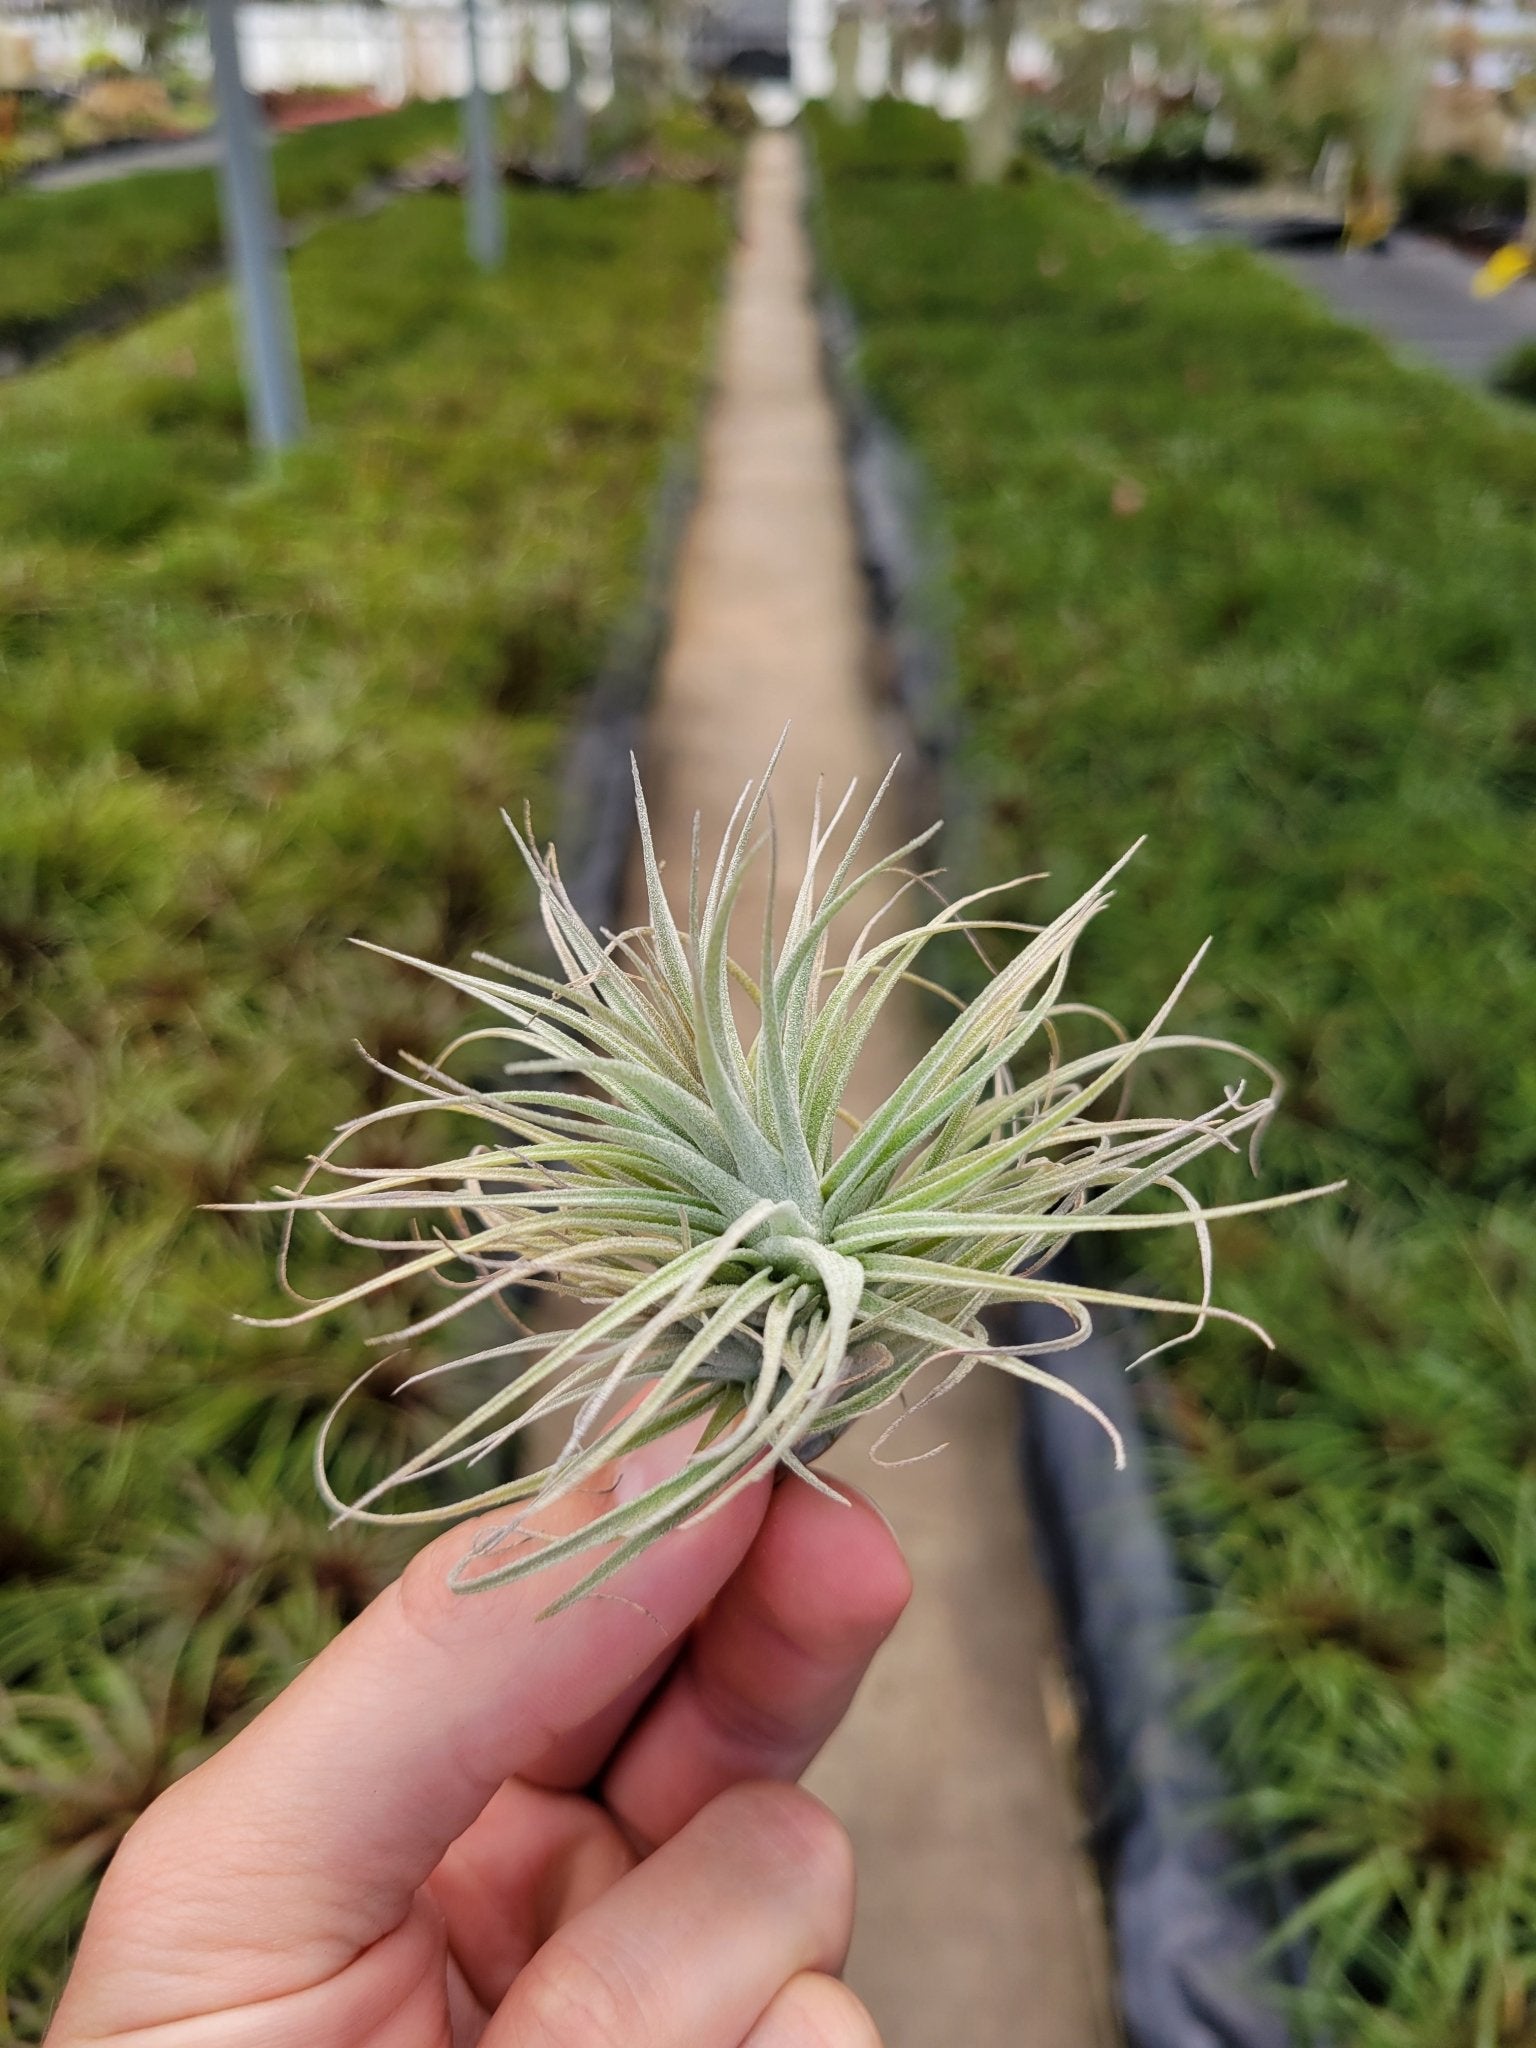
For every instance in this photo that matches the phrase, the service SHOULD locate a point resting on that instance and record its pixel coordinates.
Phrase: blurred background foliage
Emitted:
(78, 253)
(1376, 109)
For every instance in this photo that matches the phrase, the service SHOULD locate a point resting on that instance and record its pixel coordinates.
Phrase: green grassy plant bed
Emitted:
(248, 717)
(94, 251)
(633, 136)
(1224, 574)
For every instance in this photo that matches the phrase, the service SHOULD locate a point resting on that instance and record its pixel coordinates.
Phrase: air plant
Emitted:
(755, 1261)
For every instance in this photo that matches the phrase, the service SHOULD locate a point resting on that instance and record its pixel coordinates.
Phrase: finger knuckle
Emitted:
(748, 1724)
(148, 1850)
(569, 1997)
(134, 1867)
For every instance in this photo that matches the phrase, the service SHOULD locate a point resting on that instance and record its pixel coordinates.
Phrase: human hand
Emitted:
(460, 1825)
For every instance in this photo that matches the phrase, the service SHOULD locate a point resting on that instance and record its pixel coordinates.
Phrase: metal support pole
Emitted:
(571, 128)
(485, 217)
(264, 315)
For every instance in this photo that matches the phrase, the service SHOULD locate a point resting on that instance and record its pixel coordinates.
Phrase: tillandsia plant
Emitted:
(756, 1261)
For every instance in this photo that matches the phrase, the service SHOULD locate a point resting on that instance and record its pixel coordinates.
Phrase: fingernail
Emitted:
(857, 1493)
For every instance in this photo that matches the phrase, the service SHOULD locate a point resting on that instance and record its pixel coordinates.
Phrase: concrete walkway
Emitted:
(979, 1924)
(108, 166)
(1417, 295)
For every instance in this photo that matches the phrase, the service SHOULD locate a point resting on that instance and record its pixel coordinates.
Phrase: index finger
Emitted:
(302, 1842)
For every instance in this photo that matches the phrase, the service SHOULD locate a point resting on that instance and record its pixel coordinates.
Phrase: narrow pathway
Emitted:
(109, 166)
(979, 1923)
(1417, 295)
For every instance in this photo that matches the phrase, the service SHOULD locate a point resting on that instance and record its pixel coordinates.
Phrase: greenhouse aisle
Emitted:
(977, 1905)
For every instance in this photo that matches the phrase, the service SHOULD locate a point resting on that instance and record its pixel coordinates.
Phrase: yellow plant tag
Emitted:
(1504, 267)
